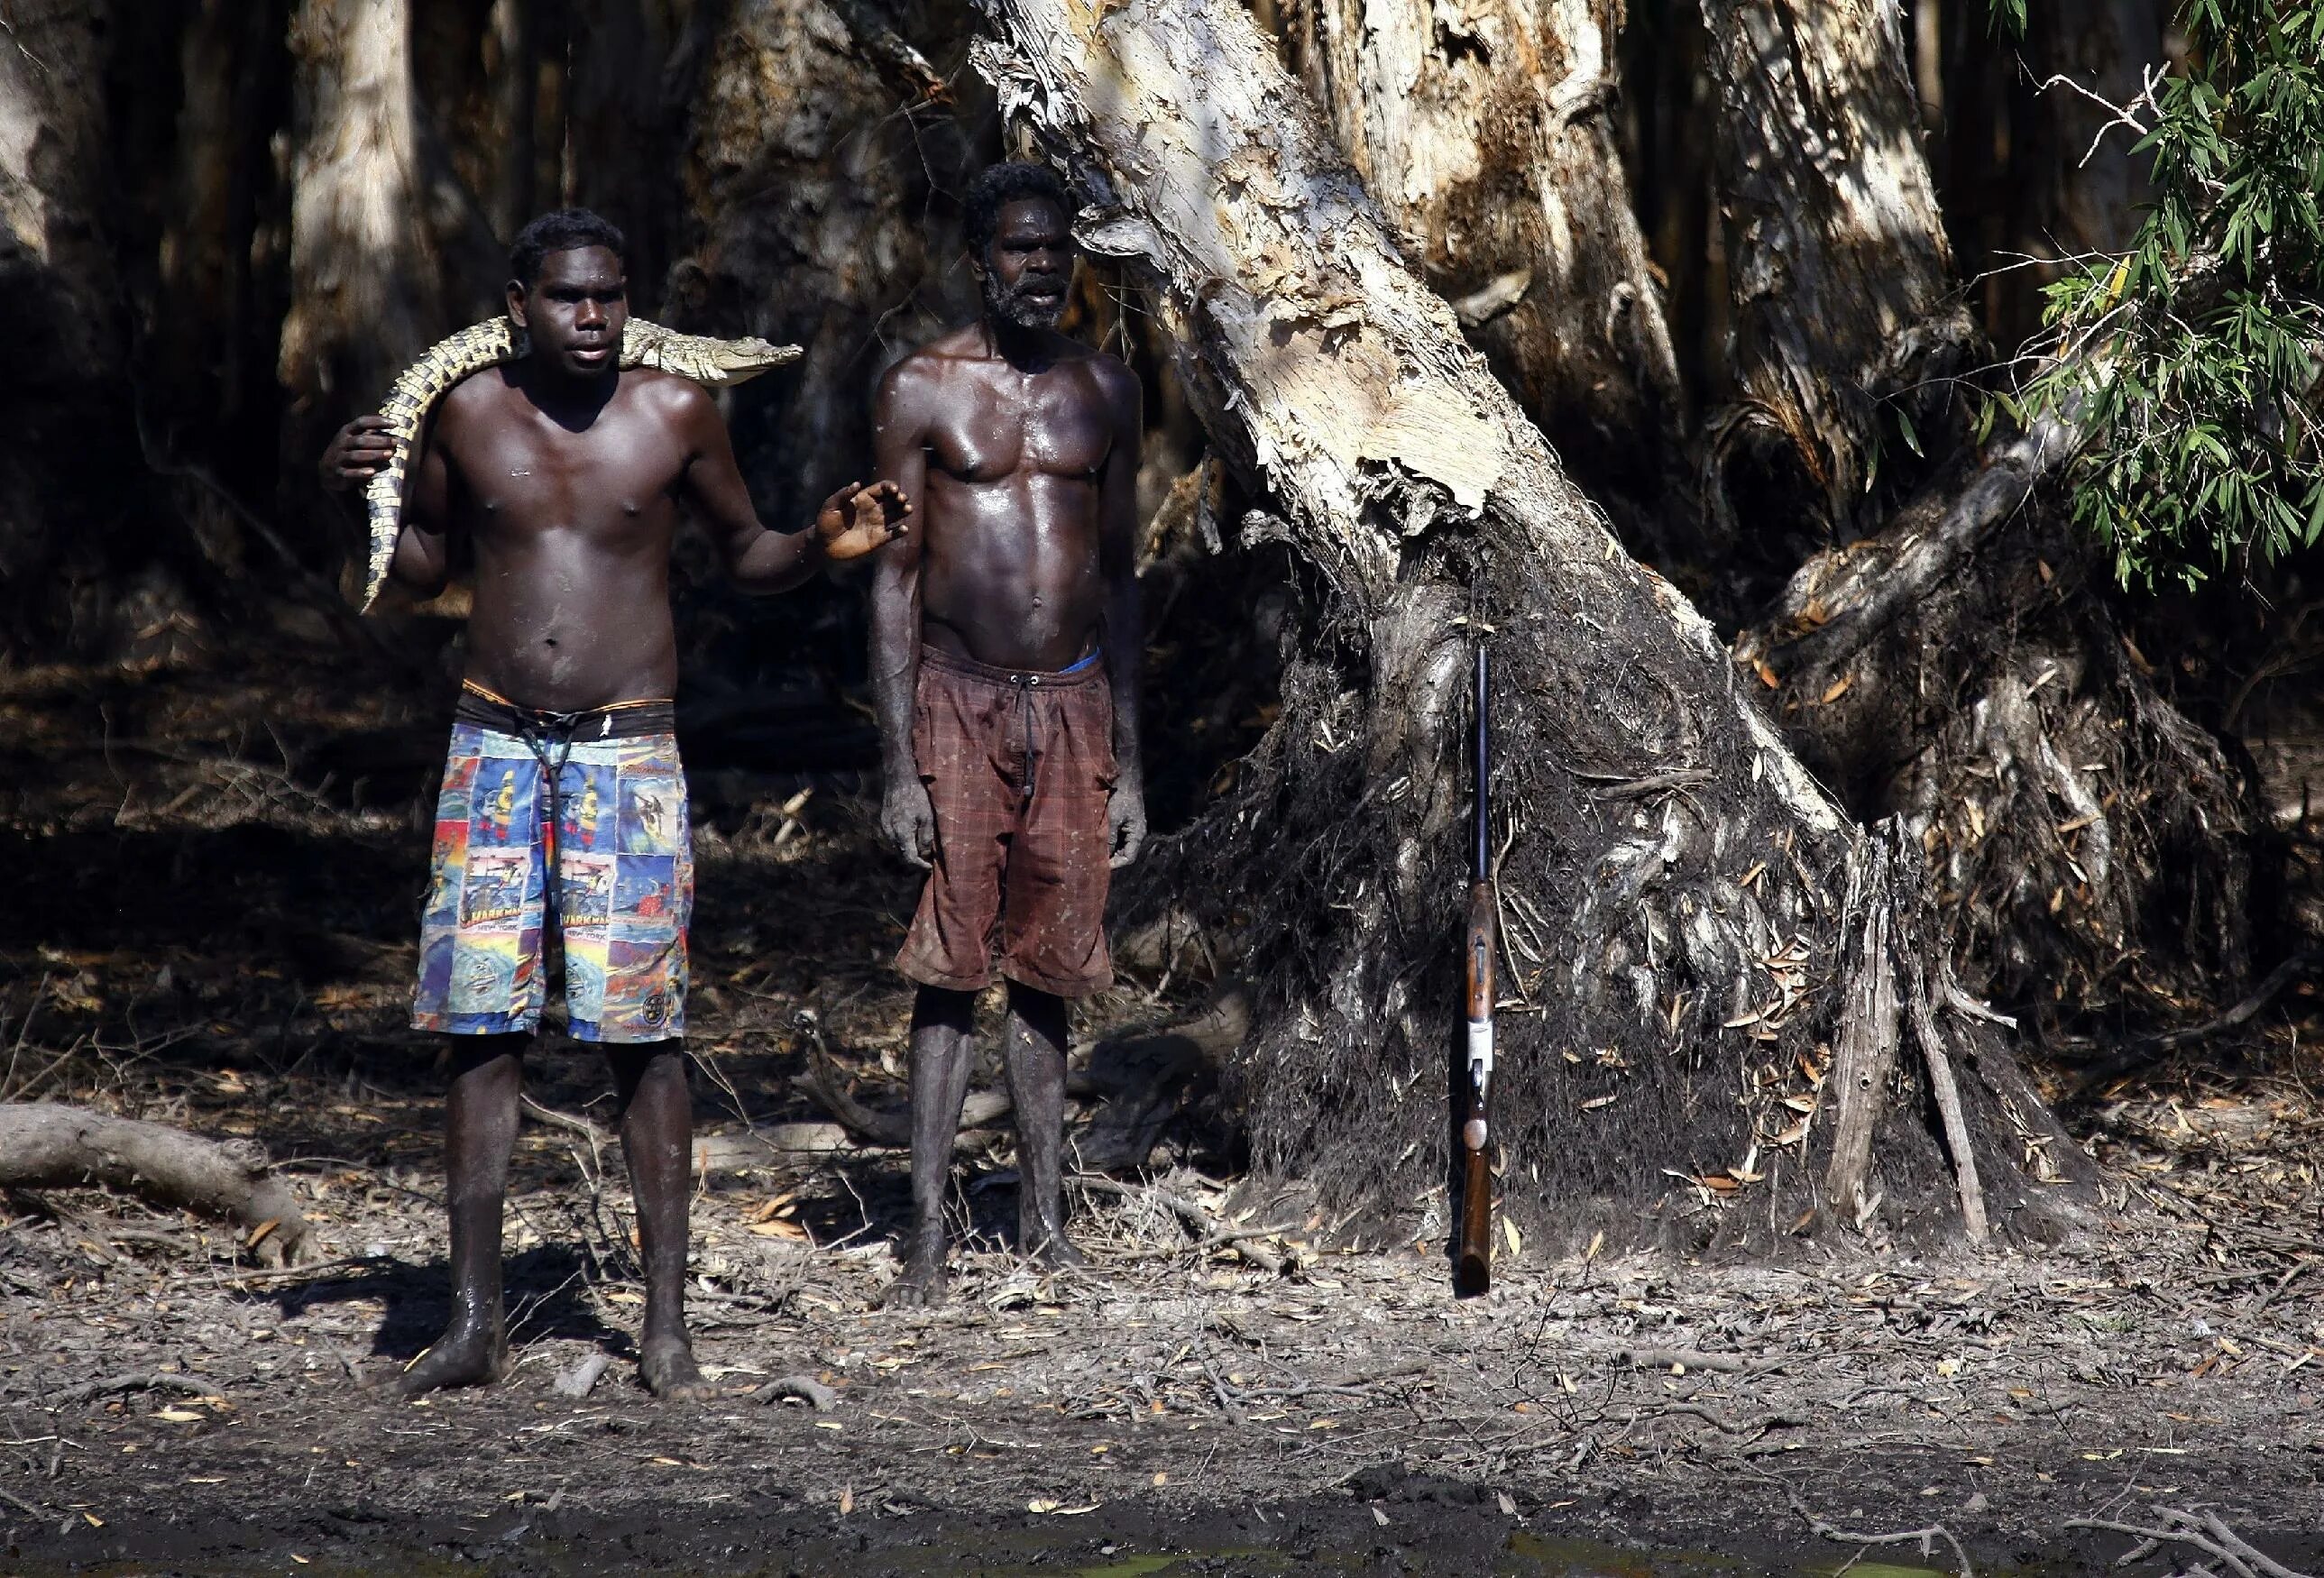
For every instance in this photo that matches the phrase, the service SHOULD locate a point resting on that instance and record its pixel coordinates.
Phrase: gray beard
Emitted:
(1005, 305)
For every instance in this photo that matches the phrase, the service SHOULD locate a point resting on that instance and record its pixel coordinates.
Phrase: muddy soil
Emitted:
(215, 879)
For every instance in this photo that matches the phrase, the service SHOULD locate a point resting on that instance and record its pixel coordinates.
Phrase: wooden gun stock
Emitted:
(1473, 1256)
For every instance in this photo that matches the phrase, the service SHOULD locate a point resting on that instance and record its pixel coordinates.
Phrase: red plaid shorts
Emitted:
(1018, 766)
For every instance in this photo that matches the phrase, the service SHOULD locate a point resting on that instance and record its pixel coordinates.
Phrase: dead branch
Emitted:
(2202, 1530)
(1949, 1103)
(2147, 1048)
(1925, 1539)
(1196, 1218)
(46, 1145)
(1692, 1359)
(719, 1153)
(580, 1380)
(878, 1126)
(805, 1387)
(134, 1381)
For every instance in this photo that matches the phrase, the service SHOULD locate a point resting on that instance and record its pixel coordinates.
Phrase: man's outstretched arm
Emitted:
(900, 457)
(852, 521)
(1125, 619)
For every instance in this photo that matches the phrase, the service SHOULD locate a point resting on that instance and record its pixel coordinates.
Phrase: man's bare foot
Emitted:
(921, 1286)
(666, 1364)
(465, 1355)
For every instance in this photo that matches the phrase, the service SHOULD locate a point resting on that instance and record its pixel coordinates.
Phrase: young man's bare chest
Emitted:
(517, 471)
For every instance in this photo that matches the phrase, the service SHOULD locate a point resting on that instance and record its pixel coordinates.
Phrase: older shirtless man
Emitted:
(564, 801)
(1006, 642)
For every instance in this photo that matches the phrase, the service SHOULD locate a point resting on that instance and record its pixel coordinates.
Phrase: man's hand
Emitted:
(1125, 823)
(359, 453)
(855, 520)
(908, 819)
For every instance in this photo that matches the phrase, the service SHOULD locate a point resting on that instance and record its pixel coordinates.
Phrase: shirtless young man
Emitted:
(1006, 642)
(566, 475)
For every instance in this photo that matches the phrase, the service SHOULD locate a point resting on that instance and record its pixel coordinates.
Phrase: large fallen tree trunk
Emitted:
(44, 1146)
(1485, 133)
(1676, 892)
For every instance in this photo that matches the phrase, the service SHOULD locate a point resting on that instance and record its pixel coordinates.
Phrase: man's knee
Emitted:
(635, 1062)
(1041, 1011)
(489, 1056)
(943, 1008)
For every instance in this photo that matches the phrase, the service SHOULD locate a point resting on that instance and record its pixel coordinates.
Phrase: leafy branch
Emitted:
(2191, 362)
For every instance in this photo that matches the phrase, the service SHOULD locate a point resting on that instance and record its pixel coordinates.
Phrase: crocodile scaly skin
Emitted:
(715, 362)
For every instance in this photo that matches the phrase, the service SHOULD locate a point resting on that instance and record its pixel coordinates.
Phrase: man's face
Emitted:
(1029, 264)
(575, 312)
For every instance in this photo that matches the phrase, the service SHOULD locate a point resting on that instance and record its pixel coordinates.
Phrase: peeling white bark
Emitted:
(1481, 128)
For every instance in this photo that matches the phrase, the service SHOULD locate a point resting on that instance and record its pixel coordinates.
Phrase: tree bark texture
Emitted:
(45, 1146)
(1668, 875)
(364, 300)
(1485, 133)
(818, 186)
(79, 569)
(1837, 264)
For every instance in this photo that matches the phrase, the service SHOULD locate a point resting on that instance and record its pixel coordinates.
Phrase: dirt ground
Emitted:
(215, 879)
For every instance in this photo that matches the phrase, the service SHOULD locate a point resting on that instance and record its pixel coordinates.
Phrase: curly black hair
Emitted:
(996, 185)
(562, 231)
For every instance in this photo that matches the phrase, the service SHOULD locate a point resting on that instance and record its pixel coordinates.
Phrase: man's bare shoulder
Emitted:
(668, 394)
(479, 394)
(1117, 384)
(917, 375)
(1113, 374)
(942, 357)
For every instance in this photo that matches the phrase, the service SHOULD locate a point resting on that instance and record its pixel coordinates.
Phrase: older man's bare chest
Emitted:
(1000, 425)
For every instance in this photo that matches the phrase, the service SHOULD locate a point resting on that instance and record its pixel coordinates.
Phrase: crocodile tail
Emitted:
(409, 398)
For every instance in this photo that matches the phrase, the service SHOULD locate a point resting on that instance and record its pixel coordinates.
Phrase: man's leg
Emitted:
(1036, 1056)
(657, 1118)
(944, 1039)
(480, 1117)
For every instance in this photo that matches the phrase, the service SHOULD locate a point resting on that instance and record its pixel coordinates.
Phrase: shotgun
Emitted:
(1473, 1256)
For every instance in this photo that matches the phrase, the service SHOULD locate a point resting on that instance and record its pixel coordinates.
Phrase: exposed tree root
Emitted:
(2091, 845)
(45, 1146)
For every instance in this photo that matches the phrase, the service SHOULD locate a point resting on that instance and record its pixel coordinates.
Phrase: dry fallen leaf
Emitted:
(179, 1416)
(1516, 1240)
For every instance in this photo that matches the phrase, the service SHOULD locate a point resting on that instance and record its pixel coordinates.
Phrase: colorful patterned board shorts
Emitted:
(1020, 770)
(623, 895)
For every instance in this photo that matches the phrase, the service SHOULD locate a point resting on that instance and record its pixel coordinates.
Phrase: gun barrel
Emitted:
(1482, 867)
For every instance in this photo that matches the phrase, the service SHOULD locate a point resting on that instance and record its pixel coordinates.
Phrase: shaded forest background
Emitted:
(226, 225)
